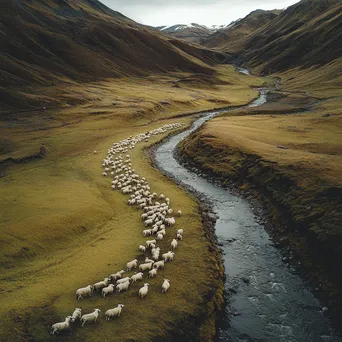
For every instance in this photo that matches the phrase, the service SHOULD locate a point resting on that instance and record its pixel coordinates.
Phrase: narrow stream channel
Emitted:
(269, 301)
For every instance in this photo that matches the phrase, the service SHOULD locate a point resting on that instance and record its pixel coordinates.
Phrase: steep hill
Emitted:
(193, 33)
(233, 36)
(53, 41)
(306, 34)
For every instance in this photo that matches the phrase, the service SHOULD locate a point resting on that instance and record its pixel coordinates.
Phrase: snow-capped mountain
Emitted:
(194, 33)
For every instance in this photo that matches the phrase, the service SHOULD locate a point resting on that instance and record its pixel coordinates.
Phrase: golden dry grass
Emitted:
(314, 142)
(62, 227)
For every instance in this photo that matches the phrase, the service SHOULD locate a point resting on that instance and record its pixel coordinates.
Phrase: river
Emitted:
(267, 300)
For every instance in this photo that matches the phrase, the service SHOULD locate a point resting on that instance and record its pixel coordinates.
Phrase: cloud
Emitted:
(207, 12)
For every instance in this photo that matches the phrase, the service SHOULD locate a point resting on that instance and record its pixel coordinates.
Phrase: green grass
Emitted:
(62, 227)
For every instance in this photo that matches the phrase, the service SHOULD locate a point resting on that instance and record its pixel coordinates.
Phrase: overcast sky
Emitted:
(206, 12)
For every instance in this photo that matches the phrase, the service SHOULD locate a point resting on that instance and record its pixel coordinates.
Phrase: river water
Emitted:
(267, 301)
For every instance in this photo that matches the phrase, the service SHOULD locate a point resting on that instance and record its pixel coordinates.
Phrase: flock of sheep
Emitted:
(157, 219)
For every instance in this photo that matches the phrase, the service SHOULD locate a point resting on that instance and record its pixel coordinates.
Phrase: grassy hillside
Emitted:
(307, 34)
(52, 43)
(289, 150)
(62, 227)
(232, 39)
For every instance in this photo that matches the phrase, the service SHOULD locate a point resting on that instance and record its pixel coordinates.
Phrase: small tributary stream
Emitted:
(267, 301)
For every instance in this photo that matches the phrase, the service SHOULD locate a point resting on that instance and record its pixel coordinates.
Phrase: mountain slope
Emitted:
(306, 34)
(232, 37)
(53, 41)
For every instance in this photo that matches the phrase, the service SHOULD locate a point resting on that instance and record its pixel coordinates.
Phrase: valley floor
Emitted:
(62, 227)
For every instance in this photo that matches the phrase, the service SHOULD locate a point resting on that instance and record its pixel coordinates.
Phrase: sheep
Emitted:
(146, 266)
(168, 256)
(107, 290)
(76, 315)
(174, 244)
(137, 276)
(180, 231)
(84, 291)
(132, 264)
(147, 260)
(148, 222)
(92, 317)
(159, 264)
(160, 236)
(116, 276)
(147, 232)
(143, 291)
(122, 286)
(101, 284)
(179, 237)
(142, 248)
(149, 242)
(166, 285)
(116, 312)
(179, 212)
(61, 326)
(170, 221)
(162, 231)
(152, 273)
(123, 280)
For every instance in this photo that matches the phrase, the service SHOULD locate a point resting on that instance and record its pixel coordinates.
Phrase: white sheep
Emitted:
(116, 276)
(179, 212)
(116, 312)
(147, 232)
(161, 196)
(107, 290)
(166, 285)
(101, 284)
(160, 236)
(132, 264)
(137, 276)
(152, 273)
(180, 231)
(179, 236)
(61, 326)
(142, 248)
(76, 315)
(146, 266)
(149, 242)
(143, 291)
(123, 280)
(170, 221)
(159, 264)
(84, 291)
(147, 260)
(91, 318)
(174, 244)
(148, 222)
(122, 286)
(168, 256)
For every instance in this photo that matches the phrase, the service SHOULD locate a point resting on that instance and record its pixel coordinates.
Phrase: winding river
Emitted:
(267, 300)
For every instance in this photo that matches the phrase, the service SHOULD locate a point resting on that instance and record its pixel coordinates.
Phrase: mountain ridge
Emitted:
(81, 40)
